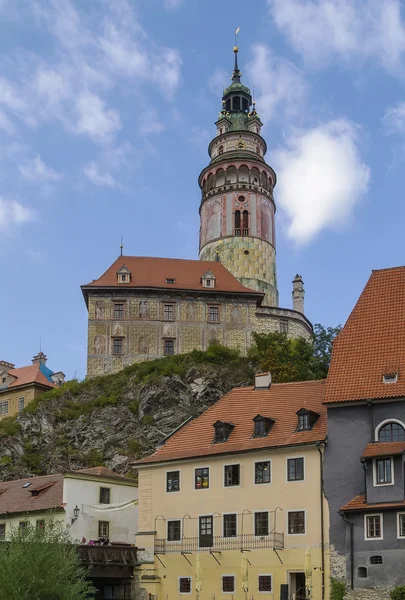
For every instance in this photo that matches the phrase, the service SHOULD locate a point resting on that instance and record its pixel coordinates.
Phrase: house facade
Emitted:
(232, 502)
(364, 458)
(18, 387)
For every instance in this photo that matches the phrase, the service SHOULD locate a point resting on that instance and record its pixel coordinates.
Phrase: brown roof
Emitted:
(358, 503)
(101, 472)
(372, 343)
(151, 272)
(26, 375)
(15, 498)
(383, 449)
(239, 407)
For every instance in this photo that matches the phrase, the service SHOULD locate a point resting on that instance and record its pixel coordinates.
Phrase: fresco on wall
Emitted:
(213, 219)
(191, 311)
(99, 344)
(143, 310)
(99, 309)
(266, 221)
(143, 345)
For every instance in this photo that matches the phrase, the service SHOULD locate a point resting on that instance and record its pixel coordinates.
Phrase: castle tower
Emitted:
(237, 206)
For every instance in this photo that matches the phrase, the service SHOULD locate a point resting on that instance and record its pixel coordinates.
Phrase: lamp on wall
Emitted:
(76, 512)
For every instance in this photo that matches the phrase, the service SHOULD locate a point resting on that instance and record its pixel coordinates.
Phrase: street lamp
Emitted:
(76, 512)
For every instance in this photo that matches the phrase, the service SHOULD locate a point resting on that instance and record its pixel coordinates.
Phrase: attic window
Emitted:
(390, 378)
(262, 426)
(222, 431)
(27, 484)
(170, 280)
(208, 280)
(124, 278)
(123, 275)
(306, 419)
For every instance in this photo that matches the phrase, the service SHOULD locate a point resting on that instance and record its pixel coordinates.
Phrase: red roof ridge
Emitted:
(387, 269)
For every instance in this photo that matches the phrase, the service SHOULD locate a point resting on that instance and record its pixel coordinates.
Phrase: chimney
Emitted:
(262, 381)
(39, 359)
(298, 294)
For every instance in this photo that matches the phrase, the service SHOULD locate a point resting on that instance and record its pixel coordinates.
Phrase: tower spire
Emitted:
(236, 75)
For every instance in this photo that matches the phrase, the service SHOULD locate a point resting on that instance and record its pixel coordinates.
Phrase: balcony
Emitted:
(274, 541)
(111, 561)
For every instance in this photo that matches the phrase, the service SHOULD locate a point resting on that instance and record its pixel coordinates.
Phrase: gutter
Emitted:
(351, 549)
(321, 491)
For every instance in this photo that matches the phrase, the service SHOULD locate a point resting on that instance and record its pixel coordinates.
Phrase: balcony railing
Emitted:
(246, 541)
(107, 555)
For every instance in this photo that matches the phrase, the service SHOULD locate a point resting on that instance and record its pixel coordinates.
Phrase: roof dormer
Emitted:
(222, 431)
(208, 280)
(262, 425)
(306, 419)
(123, 275)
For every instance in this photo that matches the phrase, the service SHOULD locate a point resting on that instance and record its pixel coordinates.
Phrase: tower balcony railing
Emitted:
(237, 186)
(246, 541)
(239, 231)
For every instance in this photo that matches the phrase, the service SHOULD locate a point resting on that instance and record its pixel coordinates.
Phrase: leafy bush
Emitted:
(147, 420)
(5, 461)
(133, 447)
(9, 426)
(134, 406)
(398, 593)
(94, 458)
(337, 589)
(32, 459)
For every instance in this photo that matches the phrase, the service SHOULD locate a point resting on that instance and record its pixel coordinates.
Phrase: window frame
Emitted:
(212, 307)
(259, 591)
(222, 583)
(399, 536)
(179, 481)
(306, 417)
(40, 525)
(109, 495)
(3, 526)
(284, 326)
(260, 512)
(371, 539)
(167, 530)
(379, 562)
(170, 306)
(4, 406)
(230, 514)
(232, 485)
(386, 422)
(195, 479)
(118, 340)
(121, 314)
(375, 471)
(167, 341)
(21, 399)
(288, 472)
(297, 510)
(256, 462)
(100, 525)
(191, 585)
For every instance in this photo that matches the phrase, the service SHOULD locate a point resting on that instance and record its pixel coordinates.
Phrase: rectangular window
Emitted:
(373, 527)
(231, 475)
(173, 531)
(401, 525)
(40, 525)
(118, 346)
(213, 314)
(5, 408)
(262, 523)
(283, 326)
(383, 470)
(260, 428)
(304, 422)
(20, 403)
(118, 311)
(170, 280)
(173, 481)
(262, 472)
(2, 531)
(230, 525)
(264, 583)
(184, 585)
(228, 583)
(169, 347)
(105, 494)
(103, 529)
(202, 478)
(295, 469)
(22, 525)
(296, 522)
(168, 312)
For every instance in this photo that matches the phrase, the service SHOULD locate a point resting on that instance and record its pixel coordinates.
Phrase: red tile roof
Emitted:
(239, 407)
(14, 498)
(151, 272)
(372, 343)
(27, 375)
(358, 504)
(383, 449)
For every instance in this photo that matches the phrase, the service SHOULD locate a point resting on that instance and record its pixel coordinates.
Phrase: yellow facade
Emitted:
(281, 556)
(10, 399)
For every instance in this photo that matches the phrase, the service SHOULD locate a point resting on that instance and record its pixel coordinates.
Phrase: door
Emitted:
(206, 535)
(298, 591)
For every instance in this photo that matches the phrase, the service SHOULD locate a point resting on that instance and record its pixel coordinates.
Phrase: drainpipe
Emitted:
(363, 461)
(318, 445)
(351, 550)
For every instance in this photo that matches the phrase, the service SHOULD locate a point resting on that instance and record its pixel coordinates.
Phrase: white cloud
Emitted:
(36, 170)
(94, 119)
(323, 30)
(5, 123)
(93, 174)
(280, 86)
(171, 4)
(218, 81)
(321, 178)
(13, 213)
(394, 118)
(150, 122)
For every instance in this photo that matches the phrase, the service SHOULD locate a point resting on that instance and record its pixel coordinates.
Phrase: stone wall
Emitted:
(368, 594)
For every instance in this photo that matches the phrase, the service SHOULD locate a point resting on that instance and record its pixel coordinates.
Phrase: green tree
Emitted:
(398, 593)
(42, 565)
(323, 340)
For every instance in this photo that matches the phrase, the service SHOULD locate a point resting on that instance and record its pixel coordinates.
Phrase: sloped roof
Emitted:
(29, 374)
(101, 472)
(14, 498)
(383, 449)
(359, 504)
(372, 343)
(151, 272)
(239, 407)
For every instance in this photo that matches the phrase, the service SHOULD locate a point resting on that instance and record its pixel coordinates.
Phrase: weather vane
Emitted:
(236, 33)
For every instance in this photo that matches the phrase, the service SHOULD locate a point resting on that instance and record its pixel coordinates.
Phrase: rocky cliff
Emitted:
(116, 419)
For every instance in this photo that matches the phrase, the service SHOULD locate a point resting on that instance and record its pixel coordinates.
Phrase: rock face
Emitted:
(111, 421)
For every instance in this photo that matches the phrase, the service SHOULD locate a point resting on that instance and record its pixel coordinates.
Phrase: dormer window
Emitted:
(208, 280)
(123, 275)
(306, 419)
(390, 377)
(222, 431)
(262, 426)
(170, 280)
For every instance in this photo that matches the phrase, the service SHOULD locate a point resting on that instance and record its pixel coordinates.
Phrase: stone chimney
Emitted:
(262, 381)
(298, 294)
(39, 359)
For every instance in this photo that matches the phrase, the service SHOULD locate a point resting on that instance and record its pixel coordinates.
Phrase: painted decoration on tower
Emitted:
(266, 221)
(213, 219)
(144, 309)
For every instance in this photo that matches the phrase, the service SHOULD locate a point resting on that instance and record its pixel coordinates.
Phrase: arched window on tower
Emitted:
(210, 182)
(237, 222)
(228, 105)
(236, 103)
(255, 176)
(243, 174)
(245, 223)
(221, 150)
(220, 177)
(245, 105)
(231, 174)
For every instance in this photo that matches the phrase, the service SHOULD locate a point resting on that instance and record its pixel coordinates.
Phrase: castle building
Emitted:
(144, 308)
(18, 387)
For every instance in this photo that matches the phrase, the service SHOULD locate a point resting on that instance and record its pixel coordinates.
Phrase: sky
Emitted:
(107, 108)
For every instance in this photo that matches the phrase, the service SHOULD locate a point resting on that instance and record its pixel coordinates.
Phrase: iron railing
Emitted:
(107, 555)
(246, 541)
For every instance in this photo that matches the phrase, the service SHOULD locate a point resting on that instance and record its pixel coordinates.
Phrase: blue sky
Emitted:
(106, 111)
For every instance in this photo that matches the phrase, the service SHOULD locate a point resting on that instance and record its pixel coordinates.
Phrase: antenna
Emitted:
(40, 343)
(121, 245)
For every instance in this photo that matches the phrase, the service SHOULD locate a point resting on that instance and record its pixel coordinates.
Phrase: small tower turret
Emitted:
(298, 294)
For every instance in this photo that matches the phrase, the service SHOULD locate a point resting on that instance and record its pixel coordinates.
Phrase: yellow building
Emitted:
(232, 504)
(18, 387)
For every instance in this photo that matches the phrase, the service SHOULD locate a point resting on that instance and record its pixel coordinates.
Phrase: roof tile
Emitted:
(383, 449)
(359, 504)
